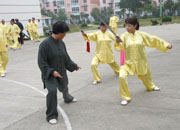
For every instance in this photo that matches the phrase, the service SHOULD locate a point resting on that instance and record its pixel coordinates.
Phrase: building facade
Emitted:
(76, 7)
(22, 10)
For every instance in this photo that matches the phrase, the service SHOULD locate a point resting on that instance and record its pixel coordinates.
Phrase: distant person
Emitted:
(3, 53)
(104, 53)
(5, 29)
(134, 42)
(14, 31)
(53, 61)
(113, 23)
(29, 29)
(21, 38)
(34, 27)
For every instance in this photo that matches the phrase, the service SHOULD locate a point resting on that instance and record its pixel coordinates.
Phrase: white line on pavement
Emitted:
(65, 117)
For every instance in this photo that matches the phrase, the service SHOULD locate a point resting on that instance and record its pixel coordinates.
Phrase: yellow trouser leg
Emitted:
(30, 35)
(16, 42)
(115, 67)
(9, 41)
(36, 36)
(147, 80)
(115, 30)
(3, 61)
(94, 66)
(123, 81)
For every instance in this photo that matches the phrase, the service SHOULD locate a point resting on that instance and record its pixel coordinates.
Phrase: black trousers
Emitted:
(51, 101)
(20, 39)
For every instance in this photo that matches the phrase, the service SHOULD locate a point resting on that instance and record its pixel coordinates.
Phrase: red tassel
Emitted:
(88, 46)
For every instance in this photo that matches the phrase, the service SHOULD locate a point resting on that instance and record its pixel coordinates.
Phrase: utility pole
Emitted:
(160, 12)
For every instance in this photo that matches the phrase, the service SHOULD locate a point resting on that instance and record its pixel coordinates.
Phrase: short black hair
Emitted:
(12, 20)
(60, 27)
(102, 24)
(132, 20)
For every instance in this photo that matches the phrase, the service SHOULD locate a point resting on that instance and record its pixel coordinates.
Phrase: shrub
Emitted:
(83, 25)
(154, 22)
(166, 19)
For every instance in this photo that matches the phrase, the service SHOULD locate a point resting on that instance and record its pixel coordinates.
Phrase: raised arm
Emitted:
(155, 42)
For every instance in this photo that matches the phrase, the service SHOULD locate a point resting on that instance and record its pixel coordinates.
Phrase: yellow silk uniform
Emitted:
(113, 24)
(14, 30)
(29, 30)
(34, 28)
(5, 30)
(3, 51)
(103, 53)
(135, 59)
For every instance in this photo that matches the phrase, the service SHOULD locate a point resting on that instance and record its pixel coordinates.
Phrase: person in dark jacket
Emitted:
(53, 61)
(20, 39)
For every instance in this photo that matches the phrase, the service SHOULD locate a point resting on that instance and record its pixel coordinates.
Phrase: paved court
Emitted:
(98, 107)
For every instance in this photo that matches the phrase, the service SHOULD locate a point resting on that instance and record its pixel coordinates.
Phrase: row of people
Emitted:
(12, 36)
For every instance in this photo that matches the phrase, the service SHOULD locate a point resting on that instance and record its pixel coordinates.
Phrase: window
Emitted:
(85, 8)
(111, 5)
(55, 11)
(54, 3)
(48, 11)
(117, 5)
(104, 1)
(85, 1)
(61, 3)
(75, 9)
(47, 4)
(74, 2)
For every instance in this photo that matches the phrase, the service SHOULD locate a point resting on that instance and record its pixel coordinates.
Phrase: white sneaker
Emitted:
(74, 100)
(156, 88)
(96, 82)
(124, 102)
(53, 121)
(3, 75)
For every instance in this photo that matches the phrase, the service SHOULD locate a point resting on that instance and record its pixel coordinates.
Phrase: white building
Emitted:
(21, 9)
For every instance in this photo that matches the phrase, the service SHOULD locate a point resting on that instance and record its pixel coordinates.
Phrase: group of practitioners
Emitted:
(12, 37)
(53, 60)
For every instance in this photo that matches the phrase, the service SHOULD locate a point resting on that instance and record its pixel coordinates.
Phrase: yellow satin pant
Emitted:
(16, 42)
(115, 30)
(94, 67)
(35, 35)
(9, 41)
(3, 61)
(123, 81)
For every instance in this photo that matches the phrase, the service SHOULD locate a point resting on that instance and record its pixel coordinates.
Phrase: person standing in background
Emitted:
(29, 29)
(3, 53)
(20, 39)
(35, 34)
(113, 23)
(14, 31)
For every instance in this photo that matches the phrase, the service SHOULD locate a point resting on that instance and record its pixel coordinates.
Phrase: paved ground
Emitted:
(98, 107)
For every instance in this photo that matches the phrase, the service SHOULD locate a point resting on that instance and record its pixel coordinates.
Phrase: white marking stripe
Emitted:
(65, 117)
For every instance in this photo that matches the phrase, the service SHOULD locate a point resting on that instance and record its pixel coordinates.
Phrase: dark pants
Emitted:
(21, 39)
(51, 101)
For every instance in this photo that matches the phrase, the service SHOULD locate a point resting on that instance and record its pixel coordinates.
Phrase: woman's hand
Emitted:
(118, 39)
(56, 75)
(169, 46)
(78, 68)
(84, 34)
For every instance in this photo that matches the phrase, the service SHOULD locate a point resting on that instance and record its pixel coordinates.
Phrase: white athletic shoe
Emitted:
(53, 121)
(156, 88)
(96, 82)
(5, 71)
(74, 100)
(3, 75)
(124, 102)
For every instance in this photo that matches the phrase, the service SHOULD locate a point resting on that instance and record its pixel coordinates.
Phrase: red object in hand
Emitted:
(122, 59)
(88, 46)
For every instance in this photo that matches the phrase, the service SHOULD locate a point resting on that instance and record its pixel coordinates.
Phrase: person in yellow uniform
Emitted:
(14, 31)
(134, 42)
(103, 53)
(5, 30)
(29, 29)
(113, 23)
(34, 28)
(3, 53)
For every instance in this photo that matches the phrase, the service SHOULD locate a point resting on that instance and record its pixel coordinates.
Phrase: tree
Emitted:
(61, 15)
(43, 12)
(168, 5)
(94, 12)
